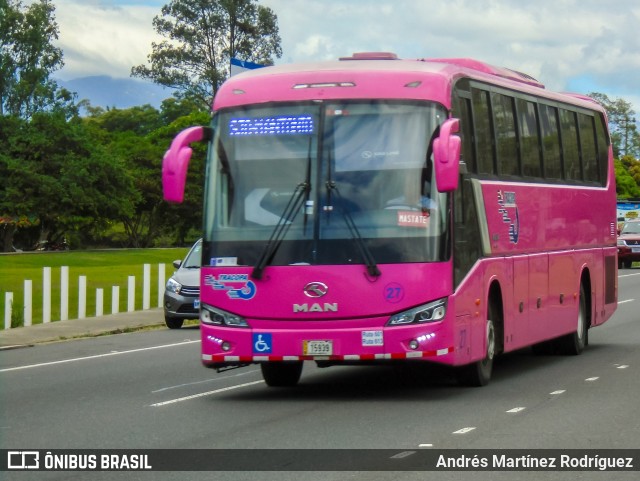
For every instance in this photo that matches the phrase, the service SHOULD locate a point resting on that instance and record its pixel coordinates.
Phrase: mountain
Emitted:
(105, 91)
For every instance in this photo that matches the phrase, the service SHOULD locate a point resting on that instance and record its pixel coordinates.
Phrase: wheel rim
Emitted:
(581, 317)
(491, 344)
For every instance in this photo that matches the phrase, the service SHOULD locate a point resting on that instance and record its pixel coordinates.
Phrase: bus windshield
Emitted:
(327, 183)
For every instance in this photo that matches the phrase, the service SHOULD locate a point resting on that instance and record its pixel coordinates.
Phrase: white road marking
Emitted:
(463, 430)
(97, 356)
(425, 445)
(202, 394)
(403, 454)
(217, 379)
(624, 366)
(591, 379)
(516, 410)
(628, 275)
(628, 300)
(559, 391)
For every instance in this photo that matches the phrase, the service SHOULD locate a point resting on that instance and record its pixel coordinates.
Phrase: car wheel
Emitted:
(173, 322)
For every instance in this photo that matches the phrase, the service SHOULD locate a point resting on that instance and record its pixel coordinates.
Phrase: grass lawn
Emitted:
(103, 269)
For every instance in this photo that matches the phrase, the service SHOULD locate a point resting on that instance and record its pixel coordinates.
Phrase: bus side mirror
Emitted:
(446, 156)
(176, 160)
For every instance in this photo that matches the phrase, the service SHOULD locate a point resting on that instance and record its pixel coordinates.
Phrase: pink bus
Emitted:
(375, 210)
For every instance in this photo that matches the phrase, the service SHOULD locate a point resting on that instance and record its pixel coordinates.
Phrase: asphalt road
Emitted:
(148, 390)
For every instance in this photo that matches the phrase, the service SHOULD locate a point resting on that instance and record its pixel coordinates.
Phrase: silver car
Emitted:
(182, 292)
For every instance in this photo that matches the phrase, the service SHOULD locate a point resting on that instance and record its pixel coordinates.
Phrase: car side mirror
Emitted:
(446, 156)
(177, 263)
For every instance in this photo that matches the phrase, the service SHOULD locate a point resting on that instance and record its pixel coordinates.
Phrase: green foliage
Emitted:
(622, 125)
(27, 58)
(202, 36)
(627, 177)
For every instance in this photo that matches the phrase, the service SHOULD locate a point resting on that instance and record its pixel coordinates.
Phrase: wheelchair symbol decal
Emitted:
(262, 343)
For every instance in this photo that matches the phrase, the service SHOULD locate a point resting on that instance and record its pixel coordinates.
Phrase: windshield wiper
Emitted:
(367, 256)
(280, 231)
(300, 195)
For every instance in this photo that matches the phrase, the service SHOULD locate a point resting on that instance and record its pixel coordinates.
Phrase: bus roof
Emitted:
(370, 75)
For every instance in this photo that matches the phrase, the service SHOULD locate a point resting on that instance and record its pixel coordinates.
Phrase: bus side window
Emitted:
(466, 132)
(550, 142)
(483, 133)
(570, 147)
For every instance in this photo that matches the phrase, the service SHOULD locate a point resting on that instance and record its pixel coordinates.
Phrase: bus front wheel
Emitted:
(479, 373)
(281, 374)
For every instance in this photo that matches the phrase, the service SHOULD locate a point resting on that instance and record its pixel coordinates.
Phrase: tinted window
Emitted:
(483, 134)
(588, 147)
(466, 133)
(529, 140)
(603, 147)
(550, 142)
(506, 143)
(570, 145)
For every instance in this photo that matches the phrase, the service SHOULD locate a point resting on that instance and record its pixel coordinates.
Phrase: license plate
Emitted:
(196, 304)
(317, 348)
(635, 249)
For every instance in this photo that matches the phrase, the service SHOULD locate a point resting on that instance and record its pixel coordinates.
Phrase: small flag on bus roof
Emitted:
(239, 66)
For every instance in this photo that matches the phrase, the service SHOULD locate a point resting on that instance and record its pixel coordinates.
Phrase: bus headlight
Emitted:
(432, 312)
(215, 316)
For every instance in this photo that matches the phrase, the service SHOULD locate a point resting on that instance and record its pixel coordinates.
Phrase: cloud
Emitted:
(98, 39)
(552, 40)
(555, 41)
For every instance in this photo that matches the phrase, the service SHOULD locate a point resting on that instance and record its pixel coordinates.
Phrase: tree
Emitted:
(622, 125)
(202, 36)
(55, 171)
(27, 58)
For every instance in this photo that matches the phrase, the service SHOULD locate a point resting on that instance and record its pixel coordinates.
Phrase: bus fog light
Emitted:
(413, 344)
(225, 346)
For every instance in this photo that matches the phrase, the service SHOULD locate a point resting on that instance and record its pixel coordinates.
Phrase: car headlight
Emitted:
(215, 316)
(622, 243)
(173, 285)
(432, 312)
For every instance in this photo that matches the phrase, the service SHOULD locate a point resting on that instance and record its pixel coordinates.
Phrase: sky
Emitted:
(569, 45)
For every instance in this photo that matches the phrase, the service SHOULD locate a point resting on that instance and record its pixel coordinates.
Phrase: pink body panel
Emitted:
(278, 307)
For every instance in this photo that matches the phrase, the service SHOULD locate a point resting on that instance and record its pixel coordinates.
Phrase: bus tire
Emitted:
(479, 373)
(173, 322)
(281, 374)
(574, 343)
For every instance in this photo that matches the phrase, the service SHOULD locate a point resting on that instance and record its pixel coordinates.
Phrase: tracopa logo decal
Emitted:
(237, 286)
(509, 211)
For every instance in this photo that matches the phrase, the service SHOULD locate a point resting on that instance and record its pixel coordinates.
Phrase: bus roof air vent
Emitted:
(372, 56)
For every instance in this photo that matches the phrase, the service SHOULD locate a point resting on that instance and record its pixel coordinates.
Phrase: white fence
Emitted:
(82, 296)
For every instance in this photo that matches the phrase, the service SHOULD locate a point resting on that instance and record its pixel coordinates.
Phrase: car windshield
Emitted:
(194, 257)
(631, 228)
(325, 183)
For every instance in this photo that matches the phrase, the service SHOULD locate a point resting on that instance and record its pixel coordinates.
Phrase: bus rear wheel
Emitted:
(574, 343)
(479, 373)
(281, 374)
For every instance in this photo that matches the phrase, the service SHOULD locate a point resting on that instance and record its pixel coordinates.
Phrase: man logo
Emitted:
(315, 289)
(315, 307)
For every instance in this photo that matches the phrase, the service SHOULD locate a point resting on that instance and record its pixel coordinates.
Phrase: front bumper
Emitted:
(223, 346)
